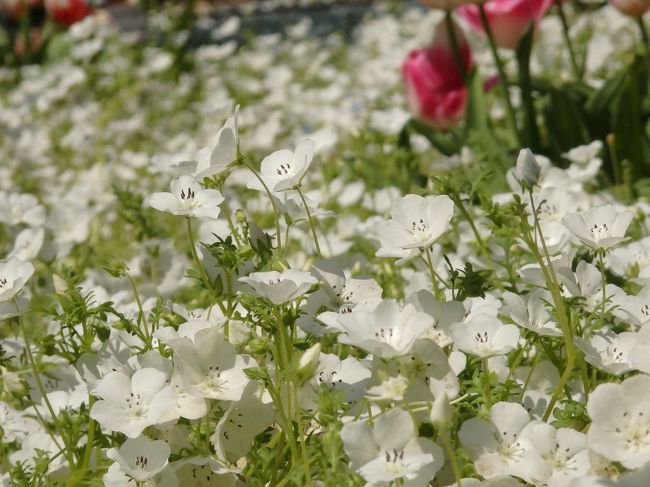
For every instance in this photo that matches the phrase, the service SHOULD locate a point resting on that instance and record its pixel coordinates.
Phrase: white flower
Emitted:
(620, 414)
(280, 287)
(416, 223)
(502, 447)
(386, 331)
(141, 458)
(608, 351)
(389, 450)
(21, 208)
(240, 424)
(129, 405)
(564, 450)
(188, 198)
(224, 150)
(527, 170)
(209, 366)
(530, 312)
(443, 314)
(600, 227)
(14, 273)
(285, 169)
(347, 375)
(345, 293)
(484, 335)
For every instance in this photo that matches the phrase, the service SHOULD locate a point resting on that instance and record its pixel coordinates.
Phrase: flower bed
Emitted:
(411, 250)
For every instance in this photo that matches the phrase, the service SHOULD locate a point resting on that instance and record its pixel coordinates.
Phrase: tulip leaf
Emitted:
(600, 100)
(445, 142)
(476, 113)
(565, 126)
(530, 130)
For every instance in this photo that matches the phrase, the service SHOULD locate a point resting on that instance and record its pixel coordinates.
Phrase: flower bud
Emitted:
(435, 88)
(527, 169)
(441, 411)
(508, 19)
(309, 361)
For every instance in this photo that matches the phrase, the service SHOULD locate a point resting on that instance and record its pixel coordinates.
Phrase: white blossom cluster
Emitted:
(248, 295)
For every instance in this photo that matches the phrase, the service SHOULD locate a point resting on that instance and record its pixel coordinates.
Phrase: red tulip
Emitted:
(508, 19)
(435, 88)
(67, 12)
(634, 8)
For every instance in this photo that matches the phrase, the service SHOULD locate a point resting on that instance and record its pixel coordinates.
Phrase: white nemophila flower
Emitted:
(130, 404)
(608, 351)
(538, 384)
(280, 287)
(416, 223)
(632, 260)
(600, 227)
(345, 293)
(285, 169)
(552, 205)
(638, 356)
(386, 331)
(633, 309)
(16, 425)
(205, 471)
(209, 366)
(484, 336)
(620, 414)
(21, 208)
(443, 314)
(348, 376)
(390, 451)
(502, 447)
(224, 150)
(564, 450)
(188, 198)
(28, 244)
(530, 312)
(432, 373)
(14, 273)
(141, 458)
(585, 161)
(40, 444)
(238, 427)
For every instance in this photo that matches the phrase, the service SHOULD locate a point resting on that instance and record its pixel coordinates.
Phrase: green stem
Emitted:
(311, 221)
(278, 234)
(503, 80)
(434, 281)
(41, 390)
(558, 301)
(451, 455)
(577, 72)
(142, 319)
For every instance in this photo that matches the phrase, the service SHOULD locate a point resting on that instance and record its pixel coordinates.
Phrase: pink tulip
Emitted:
(435, 88)
(508, 19)
(633, 8)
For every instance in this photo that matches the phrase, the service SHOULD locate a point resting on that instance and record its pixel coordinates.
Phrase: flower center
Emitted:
(135, 406)
(394, 462)
(420, 230)
(599, 231)
(284, 170)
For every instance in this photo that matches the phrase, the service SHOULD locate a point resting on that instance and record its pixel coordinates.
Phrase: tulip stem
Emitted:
(453, 40)
(567, 38)
(503, 80)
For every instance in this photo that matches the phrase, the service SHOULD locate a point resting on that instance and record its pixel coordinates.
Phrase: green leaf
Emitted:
(476, 113)
(530, 131)
(602, 99)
